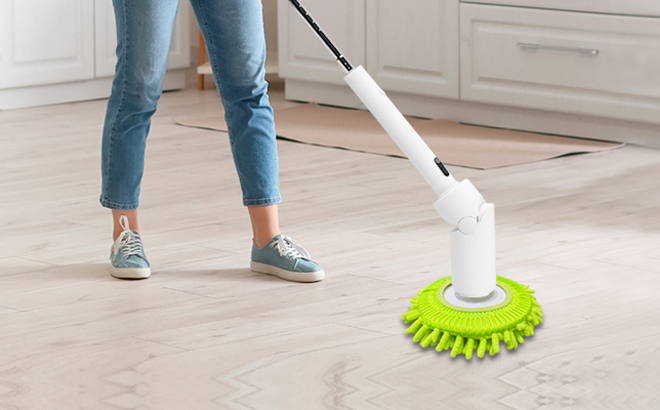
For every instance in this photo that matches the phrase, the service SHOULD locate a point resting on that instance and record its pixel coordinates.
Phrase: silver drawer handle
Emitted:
(531, 46)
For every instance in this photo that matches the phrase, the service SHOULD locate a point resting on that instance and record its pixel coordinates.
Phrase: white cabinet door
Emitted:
(303, 56)
(45, 42)
(106, 39)
(414, 49)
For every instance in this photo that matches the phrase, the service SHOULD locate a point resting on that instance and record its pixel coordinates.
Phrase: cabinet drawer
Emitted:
(582, 63)
(629, 7)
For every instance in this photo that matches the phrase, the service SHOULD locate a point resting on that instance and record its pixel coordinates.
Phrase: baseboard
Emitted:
(72, 92)
(582, 126)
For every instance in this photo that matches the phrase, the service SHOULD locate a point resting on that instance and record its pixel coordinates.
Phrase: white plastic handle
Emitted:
(395, 124)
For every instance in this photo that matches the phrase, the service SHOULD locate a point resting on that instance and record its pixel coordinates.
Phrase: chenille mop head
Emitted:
(437, 322)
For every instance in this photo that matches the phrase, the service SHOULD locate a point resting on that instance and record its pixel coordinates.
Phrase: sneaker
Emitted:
(284, 258)
(127, 258)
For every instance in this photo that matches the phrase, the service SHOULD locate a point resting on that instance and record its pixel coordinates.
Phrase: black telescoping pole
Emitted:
(340, 58)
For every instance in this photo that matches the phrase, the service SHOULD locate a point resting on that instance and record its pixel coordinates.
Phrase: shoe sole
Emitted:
(130, 273)
(304, 277)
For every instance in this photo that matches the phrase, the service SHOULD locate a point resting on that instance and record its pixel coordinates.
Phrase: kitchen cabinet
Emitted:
(572, 67)
(64, 51)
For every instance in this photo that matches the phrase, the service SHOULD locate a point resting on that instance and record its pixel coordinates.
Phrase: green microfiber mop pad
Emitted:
(438, 323)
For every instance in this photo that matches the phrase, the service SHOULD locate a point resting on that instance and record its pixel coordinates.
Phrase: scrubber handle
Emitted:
(405, 136)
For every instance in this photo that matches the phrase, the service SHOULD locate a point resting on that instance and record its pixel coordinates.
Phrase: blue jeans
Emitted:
(234, 34)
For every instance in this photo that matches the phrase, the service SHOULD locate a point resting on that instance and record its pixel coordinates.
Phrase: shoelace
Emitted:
(130, 242)
(288, 248)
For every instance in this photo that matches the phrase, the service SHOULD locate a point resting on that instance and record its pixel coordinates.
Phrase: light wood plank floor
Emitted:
(206, 333)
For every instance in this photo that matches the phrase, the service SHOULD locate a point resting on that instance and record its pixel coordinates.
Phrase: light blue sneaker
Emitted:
(127, 258)
(284, 258)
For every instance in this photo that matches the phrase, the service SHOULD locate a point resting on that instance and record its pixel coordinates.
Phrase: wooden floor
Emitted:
(206, 333)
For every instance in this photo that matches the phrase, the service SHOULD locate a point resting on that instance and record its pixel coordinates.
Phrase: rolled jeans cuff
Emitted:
(262, 201)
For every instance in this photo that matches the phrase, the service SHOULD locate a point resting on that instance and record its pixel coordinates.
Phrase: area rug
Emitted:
(454, 143)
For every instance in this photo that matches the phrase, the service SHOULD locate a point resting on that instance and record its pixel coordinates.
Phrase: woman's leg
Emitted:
(233, 30)
(117, 229)
(144, 32)
(265, 223)
(234, 34)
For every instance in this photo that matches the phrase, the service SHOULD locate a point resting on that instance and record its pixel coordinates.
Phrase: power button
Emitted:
(441, 166)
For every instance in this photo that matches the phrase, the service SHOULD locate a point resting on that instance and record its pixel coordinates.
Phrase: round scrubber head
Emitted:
(440, 320)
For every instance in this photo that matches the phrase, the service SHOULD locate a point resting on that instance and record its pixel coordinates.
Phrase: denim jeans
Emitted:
(234, 34)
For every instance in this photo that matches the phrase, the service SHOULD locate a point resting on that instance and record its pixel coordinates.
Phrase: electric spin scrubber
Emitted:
(473, 308)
